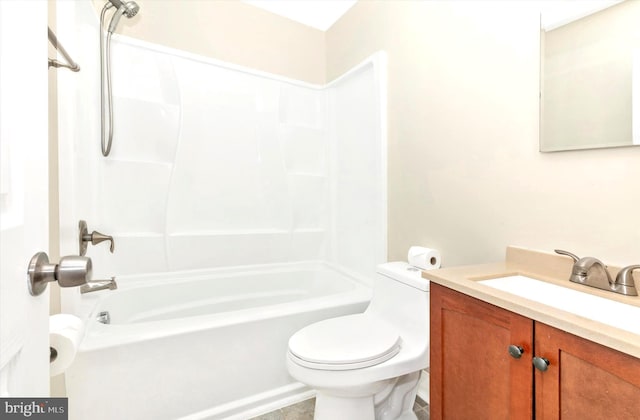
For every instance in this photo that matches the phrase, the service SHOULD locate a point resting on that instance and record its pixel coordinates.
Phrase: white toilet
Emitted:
(367, 366)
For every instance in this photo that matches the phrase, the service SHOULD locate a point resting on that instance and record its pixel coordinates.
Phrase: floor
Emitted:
(304, 411)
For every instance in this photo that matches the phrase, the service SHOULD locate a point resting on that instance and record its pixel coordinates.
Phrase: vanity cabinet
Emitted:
(474, 375)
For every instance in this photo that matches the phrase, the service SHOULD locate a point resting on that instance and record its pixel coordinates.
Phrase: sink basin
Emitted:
(596, 308)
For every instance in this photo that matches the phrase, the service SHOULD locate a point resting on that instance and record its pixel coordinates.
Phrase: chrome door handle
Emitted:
(71, 271)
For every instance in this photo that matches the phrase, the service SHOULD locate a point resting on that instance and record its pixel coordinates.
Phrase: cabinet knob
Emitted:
(540, 363)
(515, 351)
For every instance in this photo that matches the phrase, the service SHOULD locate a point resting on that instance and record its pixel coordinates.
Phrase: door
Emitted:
(473, 373)
(584, 380)
(24, 325)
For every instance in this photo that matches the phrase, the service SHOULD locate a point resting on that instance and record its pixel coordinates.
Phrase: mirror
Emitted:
(589, 75)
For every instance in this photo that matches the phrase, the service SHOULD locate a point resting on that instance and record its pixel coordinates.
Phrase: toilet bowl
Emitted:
(367, 366)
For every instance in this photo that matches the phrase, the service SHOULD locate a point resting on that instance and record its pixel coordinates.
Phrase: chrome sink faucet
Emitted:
(592, 272)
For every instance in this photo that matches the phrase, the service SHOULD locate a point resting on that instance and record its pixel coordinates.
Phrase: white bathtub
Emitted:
(202, 345)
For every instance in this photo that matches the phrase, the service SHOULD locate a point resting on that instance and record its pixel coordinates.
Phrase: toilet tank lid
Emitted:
(405, 273)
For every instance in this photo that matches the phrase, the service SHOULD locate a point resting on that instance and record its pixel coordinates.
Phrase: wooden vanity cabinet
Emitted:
(474, 377)
(585, 380)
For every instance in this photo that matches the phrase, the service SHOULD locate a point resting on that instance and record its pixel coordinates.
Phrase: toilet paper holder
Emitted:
(71, 271)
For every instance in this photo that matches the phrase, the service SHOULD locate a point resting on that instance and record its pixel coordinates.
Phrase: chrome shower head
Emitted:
(130, 8)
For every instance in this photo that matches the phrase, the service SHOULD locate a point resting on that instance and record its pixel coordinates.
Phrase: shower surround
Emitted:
(215, 167)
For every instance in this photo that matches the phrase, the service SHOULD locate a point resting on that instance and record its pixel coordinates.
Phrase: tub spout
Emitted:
(94, 286)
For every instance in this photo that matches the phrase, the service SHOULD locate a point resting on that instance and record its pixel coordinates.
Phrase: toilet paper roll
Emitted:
(424, 258)
(65, 332)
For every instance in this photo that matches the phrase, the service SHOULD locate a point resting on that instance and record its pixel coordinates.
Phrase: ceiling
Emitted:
(560, 12)
(319, 14)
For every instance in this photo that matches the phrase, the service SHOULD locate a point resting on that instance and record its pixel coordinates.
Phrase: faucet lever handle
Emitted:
(568, 254)
(625, 276)
(96, 237)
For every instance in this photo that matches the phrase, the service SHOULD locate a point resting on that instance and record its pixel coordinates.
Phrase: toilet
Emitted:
(367, 366)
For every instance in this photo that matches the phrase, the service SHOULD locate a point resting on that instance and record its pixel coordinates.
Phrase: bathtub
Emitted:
(202, 345)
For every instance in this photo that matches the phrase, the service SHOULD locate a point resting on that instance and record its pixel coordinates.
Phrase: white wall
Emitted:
(231, 31)
(465, 173)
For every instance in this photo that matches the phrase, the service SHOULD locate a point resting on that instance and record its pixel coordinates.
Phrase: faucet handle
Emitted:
(94, 238)
(568, 254)
(625, 276)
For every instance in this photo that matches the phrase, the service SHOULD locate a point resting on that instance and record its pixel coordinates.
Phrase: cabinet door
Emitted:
(472, 374)
(584, 380)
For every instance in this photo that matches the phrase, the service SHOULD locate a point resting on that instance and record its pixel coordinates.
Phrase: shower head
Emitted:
(128, 9)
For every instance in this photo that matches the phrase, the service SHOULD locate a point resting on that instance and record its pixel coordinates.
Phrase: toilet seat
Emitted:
(344, 343)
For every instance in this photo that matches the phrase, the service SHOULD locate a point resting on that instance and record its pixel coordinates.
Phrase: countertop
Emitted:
(547, 267)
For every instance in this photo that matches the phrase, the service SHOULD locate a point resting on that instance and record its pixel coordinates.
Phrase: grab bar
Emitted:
(70, 64)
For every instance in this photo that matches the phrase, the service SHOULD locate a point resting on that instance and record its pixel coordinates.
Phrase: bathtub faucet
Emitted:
(94, 286)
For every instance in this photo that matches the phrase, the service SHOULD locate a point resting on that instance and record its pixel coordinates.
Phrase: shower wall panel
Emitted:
(210, 166)
(244, 182)
(357, 105)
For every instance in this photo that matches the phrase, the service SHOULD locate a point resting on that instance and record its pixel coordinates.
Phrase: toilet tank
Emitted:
(404, 273)
(401, 296)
